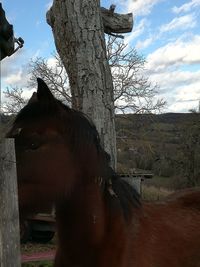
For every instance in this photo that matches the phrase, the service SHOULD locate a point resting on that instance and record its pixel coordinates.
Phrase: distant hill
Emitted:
(166, 144)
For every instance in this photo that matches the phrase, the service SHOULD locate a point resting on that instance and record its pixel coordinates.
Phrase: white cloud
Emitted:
(180, 88)
(44, 46)
(186, 7)
(10, 65)
(177, 78)
(189, 92)
(27, 92)
(51, 62)
(141, 7)
(14, 70)
(48, 5)
(14, 78)
(38, 23)
(20, 78)
(184, 22)
(144, 44)
(137, 31)
(178, 107)
(175, 54)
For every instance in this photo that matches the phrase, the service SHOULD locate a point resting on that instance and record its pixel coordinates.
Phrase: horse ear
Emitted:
(33, 98)
(43, 92)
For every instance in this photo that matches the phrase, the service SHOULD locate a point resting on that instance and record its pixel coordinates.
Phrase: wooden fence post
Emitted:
(9, 215)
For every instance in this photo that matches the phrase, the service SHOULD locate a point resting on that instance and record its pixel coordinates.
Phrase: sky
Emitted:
(165, 32)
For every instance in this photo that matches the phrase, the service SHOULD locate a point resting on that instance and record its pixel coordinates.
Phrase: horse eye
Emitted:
(34, 146)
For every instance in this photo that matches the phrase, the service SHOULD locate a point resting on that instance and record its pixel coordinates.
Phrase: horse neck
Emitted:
(81, 220)
(89, 224)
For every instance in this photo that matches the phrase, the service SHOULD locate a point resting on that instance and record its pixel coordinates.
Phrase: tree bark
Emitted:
(79, 38)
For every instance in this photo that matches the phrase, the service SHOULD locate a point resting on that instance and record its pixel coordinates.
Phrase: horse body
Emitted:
(100, 219)
(168, 233)
(159, 234)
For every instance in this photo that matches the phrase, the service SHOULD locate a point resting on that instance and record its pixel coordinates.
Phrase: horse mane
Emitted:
(79, 125)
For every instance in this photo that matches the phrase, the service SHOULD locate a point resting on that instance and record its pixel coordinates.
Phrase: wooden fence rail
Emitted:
(9, 215)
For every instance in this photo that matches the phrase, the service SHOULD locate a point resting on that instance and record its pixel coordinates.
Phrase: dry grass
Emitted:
(30, 248)
(38, 264)
(152, 193)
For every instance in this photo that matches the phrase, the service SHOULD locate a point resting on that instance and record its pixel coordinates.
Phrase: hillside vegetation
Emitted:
(168, 145)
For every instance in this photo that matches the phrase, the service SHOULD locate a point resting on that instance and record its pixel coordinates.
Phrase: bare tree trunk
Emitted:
(79, 37)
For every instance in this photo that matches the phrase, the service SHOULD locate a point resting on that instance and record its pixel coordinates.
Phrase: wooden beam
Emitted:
(9, 216)
(116, 23)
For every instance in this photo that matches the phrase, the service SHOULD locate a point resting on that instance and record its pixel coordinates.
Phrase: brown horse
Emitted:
(100, 219)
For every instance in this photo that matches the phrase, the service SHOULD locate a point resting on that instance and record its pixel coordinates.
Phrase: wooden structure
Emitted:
(7, 39)
(9, 218)
(115, 23)
(9, 214)
(135, 179)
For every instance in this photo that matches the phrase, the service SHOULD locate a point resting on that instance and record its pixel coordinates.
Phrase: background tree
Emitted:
(191, 149)
(195, 110)
(132, 90)
(15, 100)
(54, 74)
